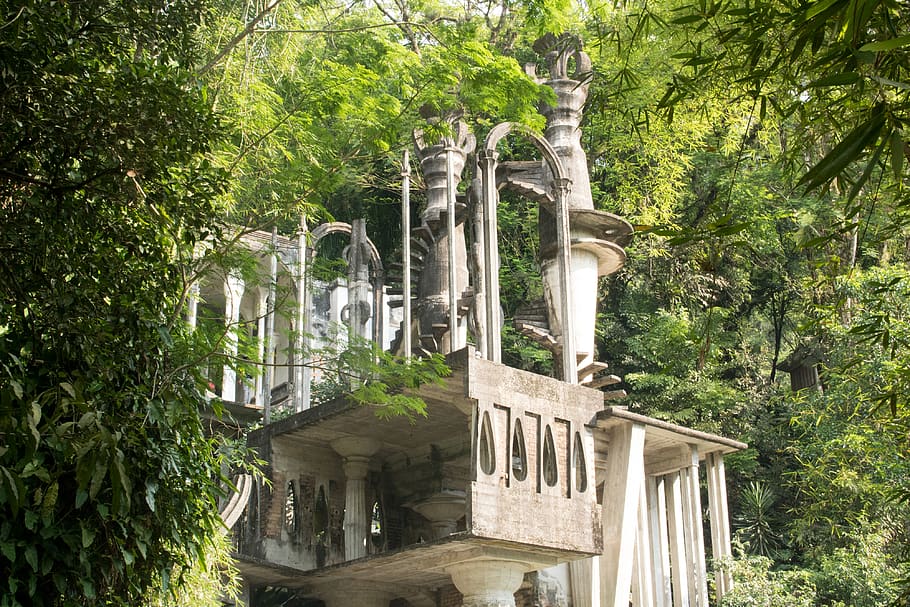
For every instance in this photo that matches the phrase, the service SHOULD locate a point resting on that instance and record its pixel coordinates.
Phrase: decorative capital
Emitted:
(562, 54)
(458, 137)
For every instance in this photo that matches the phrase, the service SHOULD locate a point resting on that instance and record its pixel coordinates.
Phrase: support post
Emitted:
(301, 382)
(720, 522)
(406, 253)
(491, 255)
(621, 496)
(356, 453)
(262, 304)
(692, 493)
(643, 578)
(454, 341)
(584, 576)
(660, 549)
(233, 293)
(268, 339)
(564, 252)
(192, 306)
(676, 525)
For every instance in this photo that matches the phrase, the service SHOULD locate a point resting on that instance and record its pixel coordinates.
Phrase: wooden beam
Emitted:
(621, 496)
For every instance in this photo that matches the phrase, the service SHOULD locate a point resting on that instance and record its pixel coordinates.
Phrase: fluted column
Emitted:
(585, 579)
(233, 294)
(356, 453)
(192, 306)
(488, 582)
(261, 311)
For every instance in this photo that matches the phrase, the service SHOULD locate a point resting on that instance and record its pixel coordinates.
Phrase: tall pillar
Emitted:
(720, 522)
(622, 494)
(233, 294)
(585, 579)
(192, 306)
(488, 582)
(356, 453)
(696, 543)
(262, 308)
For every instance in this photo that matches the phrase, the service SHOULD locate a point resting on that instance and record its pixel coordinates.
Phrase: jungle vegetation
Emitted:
(760, 147)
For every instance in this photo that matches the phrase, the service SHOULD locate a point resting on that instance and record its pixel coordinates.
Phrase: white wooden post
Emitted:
(696, 543)
(643, 580)
(676, 528)
(720, 522)
(621, 497)
(660, 548)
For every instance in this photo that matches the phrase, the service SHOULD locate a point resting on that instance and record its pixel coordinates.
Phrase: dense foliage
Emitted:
(759, 147)
(107, 481)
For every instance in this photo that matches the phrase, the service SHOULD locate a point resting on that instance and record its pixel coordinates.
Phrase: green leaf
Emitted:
(835, 80)
(31, 555)
(12, 486)
(897, 155)
(8, 549)
(820, 7)
(68, 388)
(687, 19)
(886, 45)
(845, 152)
(88, 536)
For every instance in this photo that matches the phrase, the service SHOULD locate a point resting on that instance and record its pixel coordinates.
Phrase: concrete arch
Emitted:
(340, 227)
(492, 342)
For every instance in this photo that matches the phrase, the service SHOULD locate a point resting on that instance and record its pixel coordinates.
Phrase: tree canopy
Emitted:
(758, 146)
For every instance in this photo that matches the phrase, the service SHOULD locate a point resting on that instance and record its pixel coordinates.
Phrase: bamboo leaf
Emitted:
(845, 152)
(886, 45)
(835, 80)
(897, 155)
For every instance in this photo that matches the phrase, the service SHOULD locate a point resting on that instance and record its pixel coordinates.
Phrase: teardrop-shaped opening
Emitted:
(487, 454)
(376, 525)
(320, 526)
(578, 461)
(519, 453)
(290, 509)
(550, 472)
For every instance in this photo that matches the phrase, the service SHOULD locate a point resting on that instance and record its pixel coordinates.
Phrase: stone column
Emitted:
(233, 293)
(192, 306)
(488, 582)
(585, 580)
(356, 452)
(261, 312)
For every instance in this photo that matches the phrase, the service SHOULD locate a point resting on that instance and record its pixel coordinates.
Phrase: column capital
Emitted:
(488, 582)
(355, 446)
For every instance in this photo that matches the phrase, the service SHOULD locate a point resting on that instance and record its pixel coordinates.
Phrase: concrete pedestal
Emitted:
(488, 582)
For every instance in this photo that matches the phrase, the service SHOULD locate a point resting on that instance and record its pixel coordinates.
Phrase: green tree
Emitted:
(108, 483)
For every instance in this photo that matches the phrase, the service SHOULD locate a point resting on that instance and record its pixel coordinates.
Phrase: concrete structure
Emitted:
(517, 489)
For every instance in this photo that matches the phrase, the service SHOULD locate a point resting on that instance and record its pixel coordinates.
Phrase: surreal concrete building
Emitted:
(517, 488)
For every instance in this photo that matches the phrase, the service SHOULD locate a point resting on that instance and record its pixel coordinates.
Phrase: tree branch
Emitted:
(249, 29)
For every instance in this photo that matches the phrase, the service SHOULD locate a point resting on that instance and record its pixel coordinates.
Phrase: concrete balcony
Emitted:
(508, 471)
